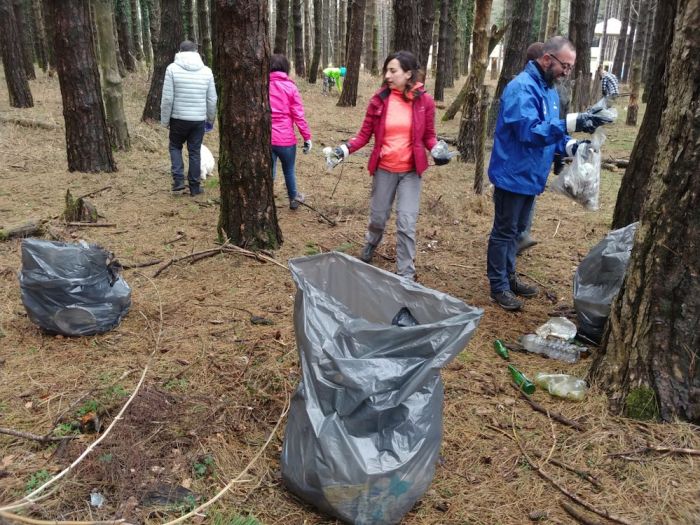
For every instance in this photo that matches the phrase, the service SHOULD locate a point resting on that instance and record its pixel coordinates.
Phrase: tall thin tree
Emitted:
(281, 27)
(87, 140)
(203, 19)
(40, 37)
(126, 49)
(318, 41)
(407, 24)
(443, 36)
(637, 57)
(136, 31)
(629, 45)
(580, 35)
(622, 39)
(427, 17)
(247, 216)
(12, 59)
(24, 30)
(299, 63)
(348, 97)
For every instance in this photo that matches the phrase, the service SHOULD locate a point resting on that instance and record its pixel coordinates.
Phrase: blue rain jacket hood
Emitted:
(528, 134)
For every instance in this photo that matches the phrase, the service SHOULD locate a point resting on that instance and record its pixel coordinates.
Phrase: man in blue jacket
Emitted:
(528, 134)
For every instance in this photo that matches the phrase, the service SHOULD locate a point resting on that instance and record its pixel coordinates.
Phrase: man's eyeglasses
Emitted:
(564, 65)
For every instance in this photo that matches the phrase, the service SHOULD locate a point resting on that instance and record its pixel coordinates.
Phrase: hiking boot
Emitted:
(196, 190)
(294, 203)
(367, 253)
(177, 188)
(520, 288)
(525, 243)
(506, 300)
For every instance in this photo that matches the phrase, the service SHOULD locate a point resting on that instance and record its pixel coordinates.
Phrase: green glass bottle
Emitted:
(521, 380)
(501, 349)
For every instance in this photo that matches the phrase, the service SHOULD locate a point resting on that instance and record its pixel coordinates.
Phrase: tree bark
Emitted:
(146, 30)
(579, 34)
(629, 45)
(137, 33)
(111, 79)
(125, 48)
(203, 18)
(189, 20)
(619, 59)
(648, 361)
(543, 21)
(87, 140)
(167, 39)
(281, 27)
(248, 217)
(637, 57)
(12, 59)
(348, 97)
(443, 35)
(553, 14)
(514, 56)
(469, 22)
(368, 35)
(635, 183)
(340, 32)
(318, 37)
(23, 28)
(480, 156)
(326, 53)
(426, 33)
(299, 65)
(469, 130)
(40, 35)
(407, 26)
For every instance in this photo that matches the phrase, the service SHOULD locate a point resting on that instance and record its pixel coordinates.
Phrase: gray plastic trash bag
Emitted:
(598, 279)
(72, 289)
(364, 429)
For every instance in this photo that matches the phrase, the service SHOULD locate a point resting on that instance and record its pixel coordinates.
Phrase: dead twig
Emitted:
(130, 266)
(92, 193)
(563, 490)
(32, 521)
(324, 217)
(554, 415)
(92, 224)
(34, 437)
(655, 448)
(571, 511)
(29, 123)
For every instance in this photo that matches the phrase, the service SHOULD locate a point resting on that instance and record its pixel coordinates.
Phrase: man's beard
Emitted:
(549, 76)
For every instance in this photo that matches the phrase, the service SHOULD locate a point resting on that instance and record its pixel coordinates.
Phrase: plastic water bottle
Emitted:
(501, 349)
(560, 350)
(562, 385)
(521, 380)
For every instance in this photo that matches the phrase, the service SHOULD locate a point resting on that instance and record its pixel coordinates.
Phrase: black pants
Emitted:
(192, 132)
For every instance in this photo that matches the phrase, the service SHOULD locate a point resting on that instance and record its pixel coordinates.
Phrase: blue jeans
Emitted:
(287, 155)
(192, 132)
(510, 217)
(523, 234)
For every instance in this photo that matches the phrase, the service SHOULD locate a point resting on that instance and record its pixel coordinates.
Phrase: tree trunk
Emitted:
(648, 361)
(87, 139)
(318, 38)
(648, 49)
(629, 45)
(426, 31)
(469, 23)
(514, 56)
(167, 39)
(49, 26)
(407, 26)
(299, 66)
(12, 59)
(543, 21)
(368, 44)
(637, 57)
(375, 48)
(579, 34)
(41, 43)
(442, 50)
(341, 32)
(348, 97)
(308, 43)
(146, 30)
(23, 28)
(281, 27)
(469, 129)
(111, 79)
(451, 42)
(137, 40)
(326, 38)
(203, 18)
(480, 156)
(189, 21)
(635, 182)
(125, 49)
(553, 14)
(619, 59)
(248, 217)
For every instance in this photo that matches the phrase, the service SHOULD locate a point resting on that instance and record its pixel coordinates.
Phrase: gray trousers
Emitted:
(406, 188)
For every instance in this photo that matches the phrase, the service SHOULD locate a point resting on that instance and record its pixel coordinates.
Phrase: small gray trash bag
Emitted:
(598, 279)
(72, 289)
(365, 425)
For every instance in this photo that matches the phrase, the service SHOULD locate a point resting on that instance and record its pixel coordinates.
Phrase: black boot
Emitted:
(520, 288)
(367, 253)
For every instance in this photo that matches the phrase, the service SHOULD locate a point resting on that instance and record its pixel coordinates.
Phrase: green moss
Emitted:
(641, 404)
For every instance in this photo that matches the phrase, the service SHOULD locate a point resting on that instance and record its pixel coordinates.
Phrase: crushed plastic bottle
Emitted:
(404, 318)
(562, 385)
(559, 350)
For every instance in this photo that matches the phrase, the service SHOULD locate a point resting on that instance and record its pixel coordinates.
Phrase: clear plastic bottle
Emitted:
(562, 385)
(560, 350)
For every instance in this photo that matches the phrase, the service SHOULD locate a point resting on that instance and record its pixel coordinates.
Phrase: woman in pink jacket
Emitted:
(401, 116)
(287, 110)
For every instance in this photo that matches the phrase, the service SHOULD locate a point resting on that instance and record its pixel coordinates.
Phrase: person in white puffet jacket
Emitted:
(188, 108)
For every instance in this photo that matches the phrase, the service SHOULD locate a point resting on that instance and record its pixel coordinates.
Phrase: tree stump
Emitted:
(79, 210)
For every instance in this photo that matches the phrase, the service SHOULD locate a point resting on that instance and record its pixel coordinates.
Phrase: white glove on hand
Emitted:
(307, 146)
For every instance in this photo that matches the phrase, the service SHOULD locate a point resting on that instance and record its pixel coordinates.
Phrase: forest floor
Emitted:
(216, 383)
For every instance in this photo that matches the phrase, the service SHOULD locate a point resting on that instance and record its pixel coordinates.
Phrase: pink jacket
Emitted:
(375, 120)
(287, 110)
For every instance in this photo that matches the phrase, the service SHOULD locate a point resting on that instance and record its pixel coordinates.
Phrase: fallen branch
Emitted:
(563, 490)
(654, 448)
(29, 123)
(32, 521)
(95, 192)
(129, 266)
(571, 511)
(92, 224)
(554, 415)
(330, 221)
(34, 437)
(32, 227)
(224, 248)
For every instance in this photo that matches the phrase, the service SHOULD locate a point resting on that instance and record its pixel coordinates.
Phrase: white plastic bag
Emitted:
(580, 180)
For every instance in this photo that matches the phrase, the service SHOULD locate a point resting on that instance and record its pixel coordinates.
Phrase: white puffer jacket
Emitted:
(188, 90)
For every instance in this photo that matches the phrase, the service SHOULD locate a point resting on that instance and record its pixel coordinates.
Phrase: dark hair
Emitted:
(408, 62)
(534, 51)
(279, 62)
(188, 45)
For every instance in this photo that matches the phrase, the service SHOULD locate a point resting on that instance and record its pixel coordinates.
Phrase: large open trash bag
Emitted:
(598, 279)
(364, 429)
(72, 289)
